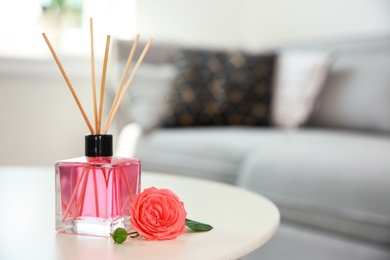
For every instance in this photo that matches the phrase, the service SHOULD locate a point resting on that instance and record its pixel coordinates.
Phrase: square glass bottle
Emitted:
(94, 193)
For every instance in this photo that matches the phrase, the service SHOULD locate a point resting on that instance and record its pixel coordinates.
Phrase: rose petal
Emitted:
(158, 214)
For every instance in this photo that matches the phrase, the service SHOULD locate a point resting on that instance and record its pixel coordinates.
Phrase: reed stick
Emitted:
(102, 88)
(74, 194)
(116, 105)
(106, 176)
(68, 83)
(81, 199)
(96, 193)
(128, 190)
(79, 207)
(115, 192)
(124, 74)
(119, 192)
(93, 73)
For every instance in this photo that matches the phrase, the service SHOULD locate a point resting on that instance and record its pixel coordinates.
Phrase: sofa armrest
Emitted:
(127, 141)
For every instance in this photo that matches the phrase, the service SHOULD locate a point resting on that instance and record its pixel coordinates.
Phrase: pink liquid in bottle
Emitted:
(94, 193)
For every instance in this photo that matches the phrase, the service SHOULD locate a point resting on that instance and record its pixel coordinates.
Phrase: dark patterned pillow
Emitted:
(248, 85)
(220, 88)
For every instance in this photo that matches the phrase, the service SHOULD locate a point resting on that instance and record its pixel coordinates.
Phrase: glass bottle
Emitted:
(94, 193)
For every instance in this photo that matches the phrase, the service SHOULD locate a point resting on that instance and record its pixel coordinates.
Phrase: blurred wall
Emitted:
(257, 24)
(39, 120)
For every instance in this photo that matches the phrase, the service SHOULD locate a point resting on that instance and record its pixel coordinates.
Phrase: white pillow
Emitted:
(300, 76)
(148, 93)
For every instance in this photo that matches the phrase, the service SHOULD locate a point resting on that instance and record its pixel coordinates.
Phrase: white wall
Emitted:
(257, 24)
(39, 119)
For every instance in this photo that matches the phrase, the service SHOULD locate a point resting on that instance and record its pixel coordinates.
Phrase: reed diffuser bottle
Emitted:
(94, 193)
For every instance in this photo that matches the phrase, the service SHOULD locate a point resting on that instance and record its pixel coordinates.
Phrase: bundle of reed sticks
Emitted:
(122, 88)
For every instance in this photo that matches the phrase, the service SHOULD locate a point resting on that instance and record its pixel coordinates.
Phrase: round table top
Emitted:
(243, 221)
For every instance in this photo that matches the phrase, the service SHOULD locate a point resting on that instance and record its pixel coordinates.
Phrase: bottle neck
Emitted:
(98, 145)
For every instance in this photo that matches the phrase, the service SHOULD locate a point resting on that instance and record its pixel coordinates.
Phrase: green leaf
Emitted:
(197, 226)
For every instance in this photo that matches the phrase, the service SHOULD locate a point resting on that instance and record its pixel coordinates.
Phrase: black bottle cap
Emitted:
(98, 145)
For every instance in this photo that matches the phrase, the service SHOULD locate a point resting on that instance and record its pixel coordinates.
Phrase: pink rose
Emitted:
(158, 214)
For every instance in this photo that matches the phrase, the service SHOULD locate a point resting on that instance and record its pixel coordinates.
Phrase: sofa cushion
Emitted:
(333, 180)
(357, 94)
(208, 152)
(220, 88)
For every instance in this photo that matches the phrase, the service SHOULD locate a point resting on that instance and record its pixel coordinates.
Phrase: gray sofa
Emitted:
(328, 170)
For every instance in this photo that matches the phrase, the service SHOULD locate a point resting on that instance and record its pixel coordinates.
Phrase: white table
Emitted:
(243, 221)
